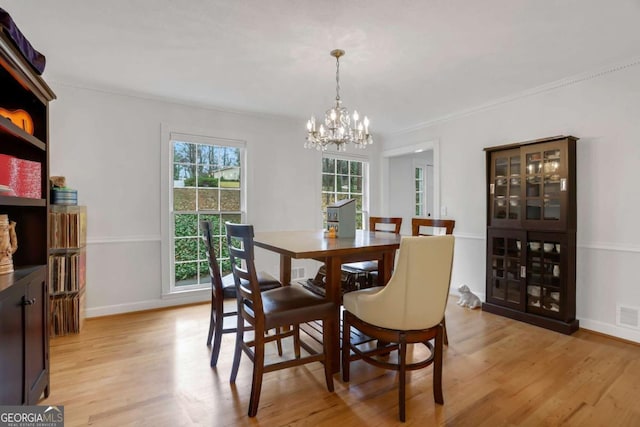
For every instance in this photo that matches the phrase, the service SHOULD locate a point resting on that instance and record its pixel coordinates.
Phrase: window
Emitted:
(344, 179)
(420, 193)
(207, 185)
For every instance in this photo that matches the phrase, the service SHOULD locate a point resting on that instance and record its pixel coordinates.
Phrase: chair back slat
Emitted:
(417, 223)
(375, 221)
(214, 268)
(241, 254)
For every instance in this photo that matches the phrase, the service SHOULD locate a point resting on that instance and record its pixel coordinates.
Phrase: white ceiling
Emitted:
(407, 62)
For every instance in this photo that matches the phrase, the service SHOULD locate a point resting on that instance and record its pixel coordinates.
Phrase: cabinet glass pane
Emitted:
(505, 266)
(543, 279)
(507, 183)
(534, 208)
(552, 209)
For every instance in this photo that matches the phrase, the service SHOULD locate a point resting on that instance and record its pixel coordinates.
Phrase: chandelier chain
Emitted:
(337, 78)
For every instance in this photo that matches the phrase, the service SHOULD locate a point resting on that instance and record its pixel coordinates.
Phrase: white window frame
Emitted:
(365, 160)
(423, 205)
(169, 135)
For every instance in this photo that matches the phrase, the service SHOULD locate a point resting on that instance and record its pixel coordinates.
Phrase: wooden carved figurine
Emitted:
(8, 244)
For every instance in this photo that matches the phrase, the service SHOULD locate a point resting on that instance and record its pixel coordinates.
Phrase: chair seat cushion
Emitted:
(367, 266)
(288, 305)
(266, 281)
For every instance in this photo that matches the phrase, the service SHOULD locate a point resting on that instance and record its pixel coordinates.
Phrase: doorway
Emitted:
(401, 183)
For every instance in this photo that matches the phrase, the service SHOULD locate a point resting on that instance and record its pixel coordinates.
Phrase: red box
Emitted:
(8, 175)
(19, 177)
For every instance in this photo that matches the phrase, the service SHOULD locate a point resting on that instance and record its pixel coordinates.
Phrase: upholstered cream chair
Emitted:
(408, 310)
(431, 227)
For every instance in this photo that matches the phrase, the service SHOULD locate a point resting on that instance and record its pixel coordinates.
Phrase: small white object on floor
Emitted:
(468, 298)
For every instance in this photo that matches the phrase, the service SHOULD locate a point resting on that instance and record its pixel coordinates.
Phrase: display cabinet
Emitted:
(24, 142)
(531, 232)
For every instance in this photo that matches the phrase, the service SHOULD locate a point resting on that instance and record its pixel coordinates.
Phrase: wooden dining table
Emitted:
(333, 252)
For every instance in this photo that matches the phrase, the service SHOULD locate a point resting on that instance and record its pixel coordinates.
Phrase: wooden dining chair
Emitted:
(221, 288)
(377, 224)
(433, 227)
(276, 308)
(408, 310)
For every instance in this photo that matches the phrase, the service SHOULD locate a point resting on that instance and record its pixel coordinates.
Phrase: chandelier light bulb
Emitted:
(338, 128)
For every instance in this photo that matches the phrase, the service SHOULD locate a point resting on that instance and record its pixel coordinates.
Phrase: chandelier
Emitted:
(338, 127)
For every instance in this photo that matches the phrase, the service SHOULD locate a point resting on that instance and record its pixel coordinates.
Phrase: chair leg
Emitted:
(237, 354)
(444, 328)
(296, 340)
(279, 341)
(402, 360)
(258, 371)
(217, 334)
(211, 322)
(437, 367)
(327, 325)
(346, 347)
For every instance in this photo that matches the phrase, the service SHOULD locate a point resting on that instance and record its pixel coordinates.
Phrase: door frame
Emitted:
(433, 145)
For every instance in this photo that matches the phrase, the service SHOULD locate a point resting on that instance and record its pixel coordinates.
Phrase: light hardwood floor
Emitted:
(152, 368)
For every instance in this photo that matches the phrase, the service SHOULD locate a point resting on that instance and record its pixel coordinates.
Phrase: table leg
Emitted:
(333, 288)
(385, 268)
(285, 270)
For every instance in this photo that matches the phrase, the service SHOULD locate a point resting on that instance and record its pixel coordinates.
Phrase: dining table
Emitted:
(333, 252)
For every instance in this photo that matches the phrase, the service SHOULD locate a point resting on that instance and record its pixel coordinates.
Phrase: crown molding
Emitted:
(170, 100)
(558, 84)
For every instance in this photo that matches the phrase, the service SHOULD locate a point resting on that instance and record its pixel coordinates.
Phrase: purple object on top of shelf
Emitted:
(33, 57)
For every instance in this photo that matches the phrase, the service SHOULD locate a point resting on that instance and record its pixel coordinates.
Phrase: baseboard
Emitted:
(613, 331)
(179, 299)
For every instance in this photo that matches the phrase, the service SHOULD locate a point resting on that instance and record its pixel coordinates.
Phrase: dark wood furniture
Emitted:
(531, 232)
(24, 348)
(333, 252)
(279, 309)
(382, 225)
(404, 312)
(416, 223)
(219, 285)
(448, 225)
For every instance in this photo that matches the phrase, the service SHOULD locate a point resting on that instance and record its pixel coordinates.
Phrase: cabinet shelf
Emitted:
(22, 201)
(14, 132)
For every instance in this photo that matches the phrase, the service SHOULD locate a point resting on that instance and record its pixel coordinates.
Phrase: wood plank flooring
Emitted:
(152, 368)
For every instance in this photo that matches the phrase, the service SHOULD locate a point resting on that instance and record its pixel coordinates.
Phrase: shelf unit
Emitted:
(24, 299)
(531, 232)
(67, 268)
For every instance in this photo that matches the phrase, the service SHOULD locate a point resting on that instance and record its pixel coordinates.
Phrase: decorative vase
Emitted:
(8, 244)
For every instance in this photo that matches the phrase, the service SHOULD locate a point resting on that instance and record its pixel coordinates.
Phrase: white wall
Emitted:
(601, 110)
(108, 147)
(402, 195)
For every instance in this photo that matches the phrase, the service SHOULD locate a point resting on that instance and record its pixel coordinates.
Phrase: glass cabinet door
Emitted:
(546, 185)
(505, 268)
(544, 275)
(505, 186)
